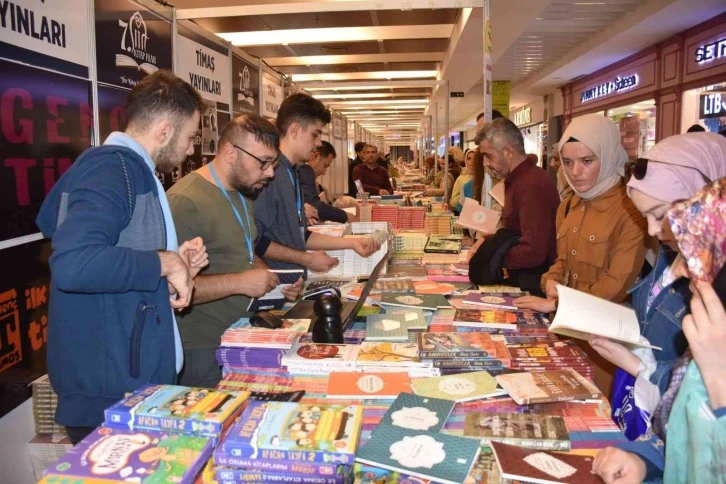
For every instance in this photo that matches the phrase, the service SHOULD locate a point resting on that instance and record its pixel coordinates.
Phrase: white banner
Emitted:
(207, 70)
(271, 98)
(56, 29)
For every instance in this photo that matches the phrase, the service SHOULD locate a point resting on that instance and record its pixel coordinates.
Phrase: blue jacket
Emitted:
(662, 323)
(110, 324)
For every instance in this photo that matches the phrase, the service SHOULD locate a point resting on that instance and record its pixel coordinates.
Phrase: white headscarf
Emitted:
(602, 137)
(685, 164)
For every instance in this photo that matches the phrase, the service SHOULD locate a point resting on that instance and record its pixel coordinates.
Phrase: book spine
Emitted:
(171, 424)
(222, 458)
(561, 398)
(247, 477)
(245, 451)
(537, 444)
(462, 363)
(450, 355)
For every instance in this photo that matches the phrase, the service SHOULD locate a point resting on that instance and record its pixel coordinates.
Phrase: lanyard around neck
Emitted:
(298, 198)
(248, 230)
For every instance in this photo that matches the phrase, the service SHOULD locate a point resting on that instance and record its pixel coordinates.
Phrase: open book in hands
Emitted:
(475, 217)
(581, 315)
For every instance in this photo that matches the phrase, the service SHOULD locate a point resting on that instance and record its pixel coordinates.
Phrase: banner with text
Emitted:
(131, 42)
(271, 98)
(49, 34)
(500, 97)
(46, 123)
(245, 86)
(207, 70)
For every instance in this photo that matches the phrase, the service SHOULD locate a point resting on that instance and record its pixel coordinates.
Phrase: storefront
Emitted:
(660, 91)
(530, 120)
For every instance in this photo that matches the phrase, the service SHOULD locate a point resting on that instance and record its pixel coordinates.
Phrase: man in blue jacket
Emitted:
(116, 268)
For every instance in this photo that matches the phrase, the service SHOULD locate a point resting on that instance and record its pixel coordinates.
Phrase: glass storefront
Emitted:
(705, 107)
(637, 126)
(534, 142)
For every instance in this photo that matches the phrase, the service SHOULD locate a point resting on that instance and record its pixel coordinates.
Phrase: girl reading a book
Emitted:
(601, 237)
(687, 441)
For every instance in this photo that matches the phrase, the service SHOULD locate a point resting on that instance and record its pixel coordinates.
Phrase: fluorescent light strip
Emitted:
(371, 95)
(338, 34)
(383, 107)
(379, 101)
(356, 76)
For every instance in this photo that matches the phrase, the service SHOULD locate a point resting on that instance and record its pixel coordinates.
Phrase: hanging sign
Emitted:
(56, 30)
(500, 97)
(245, 86)
(45, 124)
(131, 42)
(712, 105)
(205, 69)
(271, 98)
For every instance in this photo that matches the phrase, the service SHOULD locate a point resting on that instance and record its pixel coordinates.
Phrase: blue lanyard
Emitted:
(248, 231)
(298, 198)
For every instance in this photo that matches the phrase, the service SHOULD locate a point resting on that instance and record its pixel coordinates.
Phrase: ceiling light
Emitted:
(381, 101)
(350, 76)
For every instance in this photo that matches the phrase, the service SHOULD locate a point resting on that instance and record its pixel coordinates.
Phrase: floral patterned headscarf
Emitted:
(699, 226)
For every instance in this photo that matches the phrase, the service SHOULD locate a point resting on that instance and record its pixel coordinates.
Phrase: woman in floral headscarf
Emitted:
(675, 169)
(692, 412)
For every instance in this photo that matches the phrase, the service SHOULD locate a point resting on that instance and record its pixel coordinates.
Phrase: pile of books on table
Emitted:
(50, 441)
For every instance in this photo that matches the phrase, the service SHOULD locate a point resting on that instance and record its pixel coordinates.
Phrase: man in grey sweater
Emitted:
(283, 238)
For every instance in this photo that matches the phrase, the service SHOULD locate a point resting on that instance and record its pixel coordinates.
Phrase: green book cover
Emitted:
(440, 457)
(544, 432)
(415, 317)
(414, 412)
(461, 387)
(427, 302)
(387, 327)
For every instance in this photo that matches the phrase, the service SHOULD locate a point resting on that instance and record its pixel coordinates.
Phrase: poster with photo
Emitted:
(131, 42)
(210, 129)
(246, 86)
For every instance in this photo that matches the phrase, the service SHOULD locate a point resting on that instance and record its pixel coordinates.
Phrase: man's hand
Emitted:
(536, 303)
(194, 254)
(365, 246)
(616, 466)
(319, 261)
(258, 282)
(551, 289)
(311, 214)
(181, 283)
(293, 291)
(383, 191)
(616, 354)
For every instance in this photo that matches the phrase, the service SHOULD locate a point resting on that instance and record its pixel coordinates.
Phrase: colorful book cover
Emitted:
(367, 385)
(528, 430)
(543, 467)
(497, 318)
(120, 455)
(321, 355)
(415, 317)
(428, 302)
(172, 408)
(387, 327)
(281, 338)
(303, 474)
(436, 245)
(275, 299)
(463, 387)
(493, 301)
(440, 457)
(456, 345)
(557, 351)
(432, 288)
(388, 354)
(547, 386)
(296, 432)
(414, 412)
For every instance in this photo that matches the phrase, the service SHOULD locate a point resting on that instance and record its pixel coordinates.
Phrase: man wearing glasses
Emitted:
(217, 201)
(283, 237)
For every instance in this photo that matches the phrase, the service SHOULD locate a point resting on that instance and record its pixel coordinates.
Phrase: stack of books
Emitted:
(244, 345)
(51, 441)
(385, 213)
(307, 358)
(500, 320)
(411, 218)
(290, 442)
(475, 350)
(410, 242)
(551, 355)
(438, 223)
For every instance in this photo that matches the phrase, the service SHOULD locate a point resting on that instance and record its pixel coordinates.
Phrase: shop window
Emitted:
(704, 106)
(637, 126)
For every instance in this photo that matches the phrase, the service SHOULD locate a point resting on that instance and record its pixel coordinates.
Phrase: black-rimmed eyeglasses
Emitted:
(264, 165)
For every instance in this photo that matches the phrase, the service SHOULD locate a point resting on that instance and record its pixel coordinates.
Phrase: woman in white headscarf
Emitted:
(601, 236)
